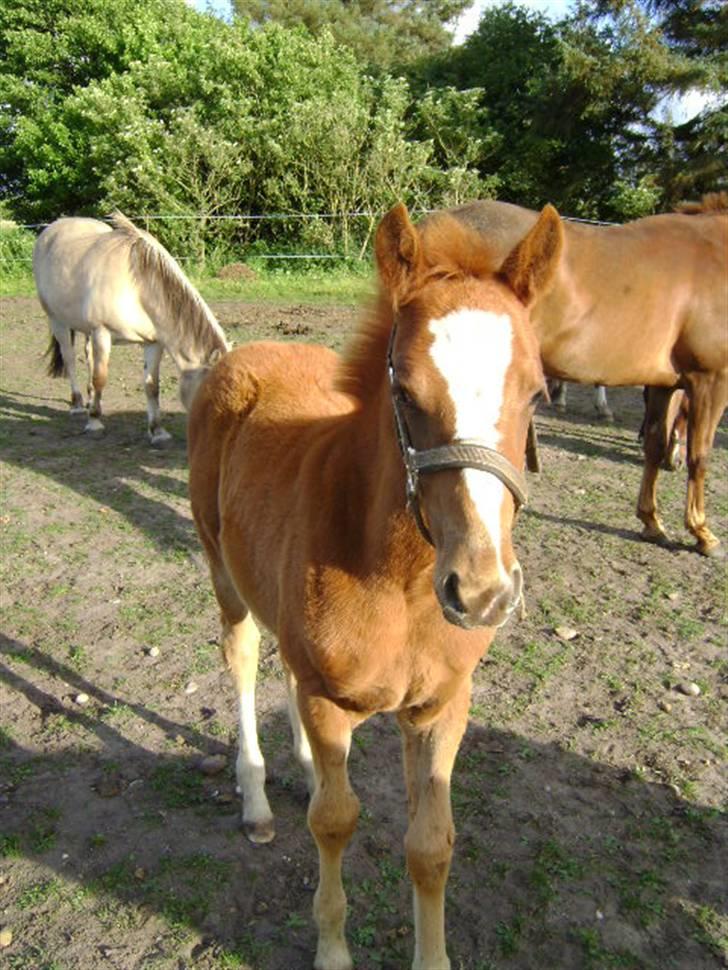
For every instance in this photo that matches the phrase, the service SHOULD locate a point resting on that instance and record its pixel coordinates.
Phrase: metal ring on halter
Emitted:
(457, 454)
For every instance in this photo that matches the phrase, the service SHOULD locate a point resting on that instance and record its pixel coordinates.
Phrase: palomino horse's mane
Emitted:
(449, 249)
(711, 203)
(193, 321)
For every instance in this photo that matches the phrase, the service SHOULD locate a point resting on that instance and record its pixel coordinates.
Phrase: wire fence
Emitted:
(146, 218)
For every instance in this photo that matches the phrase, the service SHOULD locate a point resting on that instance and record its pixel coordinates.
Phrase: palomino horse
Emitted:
(361, 509)
(121, 285)
(643, 303)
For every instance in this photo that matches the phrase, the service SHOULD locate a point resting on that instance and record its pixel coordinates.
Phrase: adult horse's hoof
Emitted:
(712, 550)
(656, 536)
(259, 832)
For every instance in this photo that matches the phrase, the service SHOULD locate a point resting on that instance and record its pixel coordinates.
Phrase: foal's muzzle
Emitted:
(469, 605)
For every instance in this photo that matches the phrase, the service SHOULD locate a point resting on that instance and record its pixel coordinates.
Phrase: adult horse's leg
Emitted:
(429, 755)
(601, 403)
(332, 818)
(655, 440)
(301, 746)
(708, 395)
(152, 359)
(64, 338)
(557, 394)
(100, 350)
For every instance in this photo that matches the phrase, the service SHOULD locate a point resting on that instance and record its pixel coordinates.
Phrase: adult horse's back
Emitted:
(643, 303)
(118, 284)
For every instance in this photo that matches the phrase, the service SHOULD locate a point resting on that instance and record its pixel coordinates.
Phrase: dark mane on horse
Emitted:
(710, 204)
(148, 258)
(448, 250)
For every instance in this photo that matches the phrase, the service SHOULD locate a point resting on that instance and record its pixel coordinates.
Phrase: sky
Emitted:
(466, 25)
(680, 109)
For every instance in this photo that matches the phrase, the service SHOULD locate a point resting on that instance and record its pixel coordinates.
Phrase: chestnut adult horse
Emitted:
(643, 303)
(118, 284)
(361, 509)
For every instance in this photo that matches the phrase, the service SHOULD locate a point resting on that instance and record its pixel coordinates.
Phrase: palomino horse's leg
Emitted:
(429, 755)
(332, 818)
(101, 348)
(152, 359)
(601, 403)
(240, 640)
(655, 447)
(301, 746)
(63, 336)
(708, 394)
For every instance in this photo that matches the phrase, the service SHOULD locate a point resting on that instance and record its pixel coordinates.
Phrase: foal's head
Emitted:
(464, 366)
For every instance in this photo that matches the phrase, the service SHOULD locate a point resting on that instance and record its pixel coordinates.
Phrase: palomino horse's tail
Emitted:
(56, 364)
(185, 323)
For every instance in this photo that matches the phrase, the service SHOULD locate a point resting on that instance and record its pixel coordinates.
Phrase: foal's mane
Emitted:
(711, 203)
(449, 249)
(189, 318)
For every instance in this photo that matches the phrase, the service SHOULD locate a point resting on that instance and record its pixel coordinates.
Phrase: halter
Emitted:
(460, 453)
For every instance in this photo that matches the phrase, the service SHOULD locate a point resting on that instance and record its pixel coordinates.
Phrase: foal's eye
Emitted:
(405, 396)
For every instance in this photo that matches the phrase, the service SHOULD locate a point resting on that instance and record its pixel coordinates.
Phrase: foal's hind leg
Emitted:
(99, 360)
(708, 394)
(152, 359)
(64, 336)
(240, 640)
(655, 448)
(301, 746)
(429, 755)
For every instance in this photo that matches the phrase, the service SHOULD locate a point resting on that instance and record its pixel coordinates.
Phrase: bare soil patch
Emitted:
(587, 793)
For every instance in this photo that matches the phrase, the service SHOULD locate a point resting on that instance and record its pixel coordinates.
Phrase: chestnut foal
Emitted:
(361, 509)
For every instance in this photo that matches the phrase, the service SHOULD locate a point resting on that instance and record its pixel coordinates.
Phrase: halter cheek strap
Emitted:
(469, 453)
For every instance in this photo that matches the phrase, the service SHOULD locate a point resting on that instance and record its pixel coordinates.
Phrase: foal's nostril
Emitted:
(452, 596)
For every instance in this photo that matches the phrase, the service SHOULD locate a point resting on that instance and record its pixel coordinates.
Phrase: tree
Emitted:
(384, 34)
(692, 35)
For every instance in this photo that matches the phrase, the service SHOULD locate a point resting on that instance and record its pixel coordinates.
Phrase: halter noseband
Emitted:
(458, 454)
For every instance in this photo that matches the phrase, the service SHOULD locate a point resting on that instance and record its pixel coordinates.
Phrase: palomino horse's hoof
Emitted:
(259, 832)
(605, 416)
(159, 438)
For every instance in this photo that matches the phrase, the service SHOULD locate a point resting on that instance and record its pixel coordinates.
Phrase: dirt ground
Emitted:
(587, 794)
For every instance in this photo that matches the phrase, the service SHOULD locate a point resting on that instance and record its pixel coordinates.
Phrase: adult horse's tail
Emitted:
(186, 325)
(56, 364)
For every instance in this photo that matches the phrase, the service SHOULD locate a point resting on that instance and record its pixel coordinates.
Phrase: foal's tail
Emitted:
(56, 363)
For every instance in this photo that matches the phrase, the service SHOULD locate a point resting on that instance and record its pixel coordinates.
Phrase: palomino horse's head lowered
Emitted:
(465, 375)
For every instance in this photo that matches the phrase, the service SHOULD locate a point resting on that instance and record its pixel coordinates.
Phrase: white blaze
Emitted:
(472, 350)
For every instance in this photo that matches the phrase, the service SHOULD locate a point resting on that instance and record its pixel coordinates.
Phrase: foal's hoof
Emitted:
(93, 427)
(77, 409)
(259, 832)
(605, 416)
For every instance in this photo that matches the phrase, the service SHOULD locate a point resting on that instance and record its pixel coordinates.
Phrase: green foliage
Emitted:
(383, 34)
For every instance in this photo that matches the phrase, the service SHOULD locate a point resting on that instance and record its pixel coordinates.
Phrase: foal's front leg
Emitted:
(429, 755)
(332, 818)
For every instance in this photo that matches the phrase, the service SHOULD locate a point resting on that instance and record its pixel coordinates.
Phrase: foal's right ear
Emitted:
(397, 251)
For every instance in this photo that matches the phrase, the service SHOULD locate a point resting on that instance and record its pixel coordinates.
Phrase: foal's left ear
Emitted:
(397, 250)
(531, 265)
